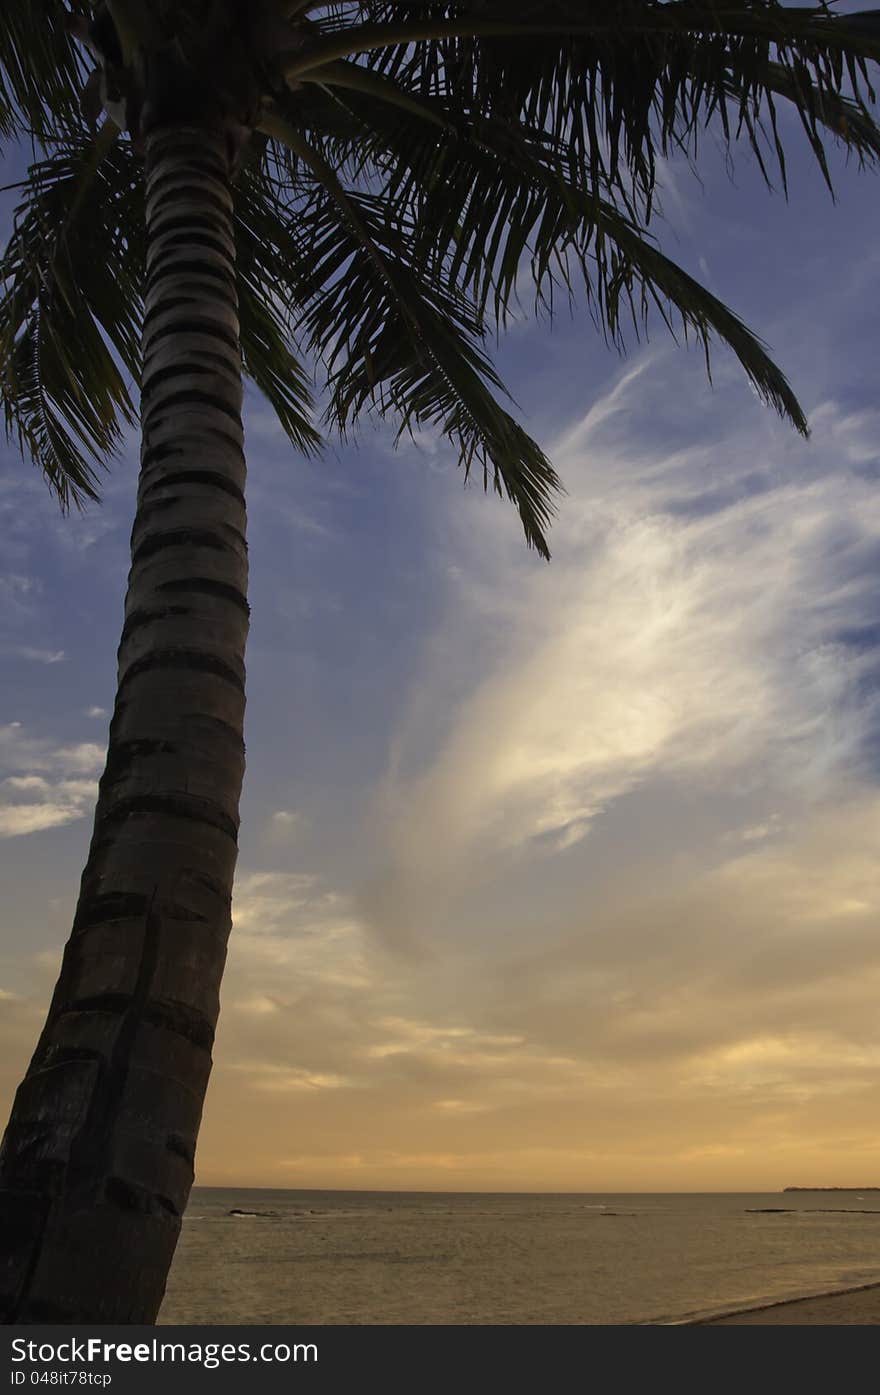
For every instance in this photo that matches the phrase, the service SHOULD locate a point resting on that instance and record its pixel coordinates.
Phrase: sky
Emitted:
(552, 877)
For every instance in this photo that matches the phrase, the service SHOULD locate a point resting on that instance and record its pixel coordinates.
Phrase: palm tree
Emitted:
(232, 187)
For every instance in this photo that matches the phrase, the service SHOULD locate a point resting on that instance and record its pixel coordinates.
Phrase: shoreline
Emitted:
(856, 1306)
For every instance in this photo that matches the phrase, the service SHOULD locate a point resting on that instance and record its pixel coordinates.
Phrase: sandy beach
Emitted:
(860, 1306)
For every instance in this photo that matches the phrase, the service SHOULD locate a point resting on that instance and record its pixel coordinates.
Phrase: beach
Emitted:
(858, 1307)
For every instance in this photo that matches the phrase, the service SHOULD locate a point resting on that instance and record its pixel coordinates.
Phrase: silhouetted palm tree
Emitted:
(364, 186)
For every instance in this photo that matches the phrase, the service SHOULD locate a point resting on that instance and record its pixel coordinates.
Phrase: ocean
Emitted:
(317, 1257)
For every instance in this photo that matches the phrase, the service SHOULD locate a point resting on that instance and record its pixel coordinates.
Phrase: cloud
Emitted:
(275, 1079)
(286, 922)
(266, 901)
(58, 795)
(11, 584)
(286, 825)
(759, 973)
(35, 804)
(690, 628)
(81, 756)
(42, 656)
(18, 593)
(19, 751)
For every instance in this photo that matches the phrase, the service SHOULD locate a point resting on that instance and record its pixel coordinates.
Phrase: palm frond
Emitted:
(41, 69)
(269, 269)
(635, 264)
(70, 310)
(427, 158)
(400, 341)
(618, 79)
(394, 29)
(848, 121)
(488, 199)
(71, 306)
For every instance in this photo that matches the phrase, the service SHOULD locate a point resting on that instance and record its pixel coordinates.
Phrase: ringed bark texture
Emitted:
(97, 1161)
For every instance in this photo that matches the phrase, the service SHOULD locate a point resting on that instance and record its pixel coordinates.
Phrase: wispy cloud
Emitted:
(702, 643)
(58, 795)
(286, 825)
(287, 921)
(41, 656)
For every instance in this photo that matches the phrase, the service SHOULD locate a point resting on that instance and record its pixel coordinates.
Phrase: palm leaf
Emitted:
(616, 79)
(486, 198)
(441, 150)
(402, 342)
(41, 69)
(70, 310)
(269, 266)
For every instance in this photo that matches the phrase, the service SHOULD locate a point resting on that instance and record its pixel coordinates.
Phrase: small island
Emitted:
(831, 1189)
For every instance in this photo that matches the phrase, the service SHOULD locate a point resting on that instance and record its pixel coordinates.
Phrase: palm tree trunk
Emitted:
(97, 1161)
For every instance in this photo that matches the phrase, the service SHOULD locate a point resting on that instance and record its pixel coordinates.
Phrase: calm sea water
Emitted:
(440, 1257)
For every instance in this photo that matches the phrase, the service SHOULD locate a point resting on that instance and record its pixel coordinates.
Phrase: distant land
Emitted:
(831, 1189)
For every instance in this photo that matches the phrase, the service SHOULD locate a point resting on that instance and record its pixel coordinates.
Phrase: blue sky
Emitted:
(551, 876)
